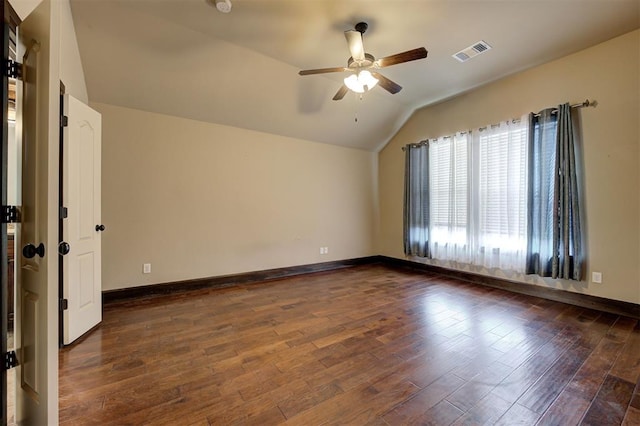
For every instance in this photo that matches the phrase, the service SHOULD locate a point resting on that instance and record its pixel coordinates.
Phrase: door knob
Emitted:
(100, 228)
(29, 251)
(64, 248)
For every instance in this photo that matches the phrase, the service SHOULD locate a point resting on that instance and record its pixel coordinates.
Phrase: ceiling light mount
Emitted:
(361, 27)
(223, 6)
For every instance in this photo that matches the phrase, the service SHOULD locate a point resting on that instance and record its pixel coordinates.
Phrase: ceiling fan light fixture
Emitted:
(361, 82)
(361, 79)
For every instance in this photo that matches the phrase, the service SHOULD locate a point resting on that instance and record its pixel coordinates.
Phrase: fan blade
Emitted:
(322, 70)
(341, 92)
(398, 58)
(356, 47)
(387, 84)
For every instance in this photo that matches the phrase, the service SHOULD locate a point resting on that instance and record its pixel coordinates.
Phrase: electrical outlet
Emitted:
(596, 277)
(324, 250)
(146, 268)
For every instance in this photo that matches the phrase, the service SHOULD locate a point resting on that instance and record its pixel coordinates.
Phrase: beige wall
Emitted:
(196, 199)
(71, 72)
(24, 7)
(608, 73)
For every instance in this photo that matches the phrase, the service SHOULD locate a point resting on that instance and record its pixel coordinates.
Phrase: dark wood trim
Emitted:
(617, 307)
(61, 271)
(231, 280)
(4, 263)
(11, 17)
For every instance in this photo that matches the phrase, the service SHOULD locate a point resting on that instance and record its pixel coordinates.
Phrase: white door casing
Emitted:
(81, 185)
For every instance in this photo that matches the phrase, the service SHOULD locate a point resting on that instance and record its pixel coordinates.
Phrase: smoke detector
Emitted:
(223, 6)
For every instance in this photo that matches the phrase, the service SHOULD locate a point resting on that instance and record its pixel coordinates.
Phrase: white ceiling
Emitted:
(184, 58)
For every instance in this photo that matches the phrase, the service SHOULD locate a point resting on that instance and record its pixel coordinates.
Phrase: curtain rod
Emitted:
(586, 103)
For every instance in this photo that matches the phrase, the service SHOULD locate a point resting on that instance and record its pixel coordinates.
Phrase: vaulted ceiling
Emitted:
(184, 58)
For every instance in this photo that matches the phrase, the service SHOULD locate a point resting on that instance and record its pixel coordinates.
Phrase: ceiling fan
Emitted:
(363, 66)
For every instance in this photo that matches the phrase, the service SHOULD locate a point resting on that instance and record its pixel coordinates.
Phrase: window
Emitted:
(449, 195)
(499, 229)
(505, 196)
(477, 197)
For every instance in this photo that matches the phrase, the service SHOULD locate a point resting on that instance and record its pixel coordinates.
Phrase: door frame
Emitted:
(61, 222)
(10, 21)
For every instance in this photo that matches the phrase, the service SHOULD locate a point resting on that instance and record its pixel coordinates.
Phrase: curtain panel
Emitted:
(416, 200)
(554, 234)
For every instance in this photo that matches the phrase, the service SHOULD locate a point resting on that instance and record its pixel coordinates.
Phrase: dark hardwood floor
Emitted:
(364, 345)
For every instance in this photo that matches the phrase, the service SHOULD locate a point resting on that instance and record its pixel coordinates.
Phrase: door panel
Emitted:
(30, 360)
(82, 281)
(33, 298)
(30, 270)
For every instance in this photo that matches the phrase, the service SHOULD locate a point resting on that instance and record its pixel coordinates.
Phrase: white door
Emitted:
(32, 292)
(82, 285)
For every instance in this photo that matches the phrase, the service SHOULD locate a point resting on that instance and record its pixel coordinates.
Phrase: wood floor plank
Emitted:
(487, 411)
(474, 390)
(523, 377)
(627, 365)
(584, 385)
(369, 344)
(632, 416)
(540, 396)
(610, 404)
(560, 414)
(520, 415)
(443, 413)
(414, 408)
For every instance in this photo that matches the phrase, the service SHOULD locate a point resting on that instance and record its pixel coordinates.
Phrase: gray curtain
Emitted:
(554, 244)
(416, 200)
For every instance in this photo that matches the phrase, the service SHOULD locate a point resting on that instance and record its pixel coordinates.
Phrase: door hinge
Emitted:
(13, 69)
(64, 304)
(10, 360)
(63, 213)
(64, 121)
(10, 214)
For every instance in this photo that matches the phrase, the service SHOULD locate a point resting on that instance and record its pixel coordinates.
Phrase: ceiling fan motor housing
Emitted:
(367, 62)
